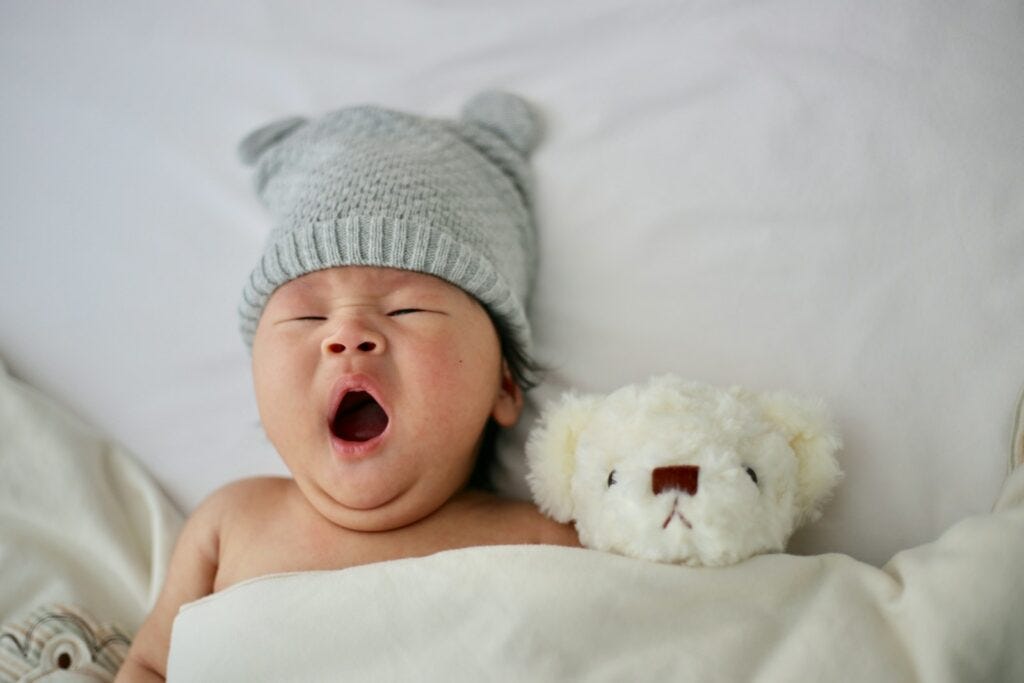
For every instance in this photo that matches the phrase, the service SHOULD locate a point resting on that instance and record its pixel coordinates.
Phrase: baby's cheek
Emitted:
(465, 370)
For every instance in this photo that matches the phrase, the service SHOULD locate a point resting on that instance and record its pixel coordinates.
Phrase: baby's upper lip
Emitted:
(354, 382)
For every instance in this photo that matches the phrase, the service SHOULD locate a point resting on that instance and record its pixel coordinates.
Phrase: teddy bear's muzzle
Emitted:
(676, 478)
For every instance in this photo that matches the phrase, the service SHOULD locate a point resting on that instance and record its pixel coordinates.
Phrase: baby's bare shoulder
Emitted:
(247, 497)
(235, 505)
(522, 522)
(257, 529)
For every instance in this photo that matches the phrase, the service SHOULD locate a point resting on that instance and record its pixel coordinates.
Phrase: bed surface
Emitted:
(822, 197)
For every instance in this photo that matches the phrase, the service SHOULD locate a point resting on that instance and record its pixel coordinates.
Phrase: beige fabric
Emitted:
(952, 610)
(1017, 442)
(80, 521)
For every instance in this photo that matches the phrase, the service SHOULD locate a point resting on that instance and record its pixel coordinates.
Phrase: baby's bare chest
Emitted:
(248, 551)
(292, 543)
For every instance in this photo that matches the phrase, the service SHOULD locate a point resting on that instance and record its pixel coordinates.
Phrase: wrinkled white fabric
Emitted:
(81, 522)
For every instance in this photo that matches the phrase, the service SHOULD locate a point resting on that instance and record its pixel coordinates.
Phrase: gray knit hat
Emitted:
(370, 186)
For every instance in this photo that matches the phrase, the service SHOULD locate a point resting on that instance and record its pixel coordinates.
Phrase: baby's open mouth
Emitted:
(359, 418)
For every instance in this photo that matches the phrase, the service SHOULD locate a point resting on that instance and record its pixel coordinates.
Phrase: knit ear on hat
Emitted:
(808, 427)
(253, 145)
(551, 453)
(508, 115)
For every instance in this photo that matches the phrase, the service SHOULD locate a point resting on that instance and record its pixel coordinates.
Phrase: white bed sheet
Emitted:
(816, 195)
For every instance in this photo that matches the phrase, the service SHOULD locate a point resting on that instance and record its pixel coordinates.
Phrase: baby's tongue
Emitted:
(360, 419)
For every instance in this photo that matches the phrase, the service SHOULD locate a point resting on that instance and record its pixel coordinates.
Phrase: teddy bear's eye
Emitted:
(752, 474)
(611, 479)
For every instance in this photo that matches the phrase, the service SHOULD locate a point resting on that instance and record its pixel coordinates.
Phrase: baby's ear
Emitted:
(808, 427)
(509, 402)
(551, 453)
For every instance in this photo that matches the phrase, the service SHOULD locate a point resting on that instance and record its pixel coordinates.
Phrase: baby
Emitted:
(389, 339)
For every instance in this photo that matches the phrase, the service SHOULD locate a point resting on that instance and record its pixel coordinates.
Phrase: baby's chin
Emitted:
(381, 510)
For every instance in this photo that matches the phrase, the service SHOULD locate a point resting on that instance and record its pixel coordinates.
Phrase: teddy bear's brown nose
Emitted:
(680, 477)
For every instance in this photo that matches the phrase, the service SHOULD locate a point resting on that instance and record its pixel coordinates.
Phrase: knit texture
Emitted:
(374, 187)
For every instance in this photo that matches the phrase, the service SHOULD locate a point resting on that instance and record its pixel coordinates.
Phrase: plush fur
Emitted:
(591, 460)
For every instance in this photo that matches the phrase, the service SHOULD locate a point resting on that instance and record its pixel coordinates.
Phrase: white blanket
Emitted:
(952, 610)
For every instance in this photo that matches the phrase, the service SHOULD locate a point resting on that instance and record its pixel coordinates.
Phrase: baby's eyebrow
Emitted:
(299, 294)
(302, 284)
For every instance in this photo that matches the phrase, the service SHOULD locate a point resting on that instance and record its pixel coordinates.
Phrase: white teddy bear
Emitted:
(680, 471)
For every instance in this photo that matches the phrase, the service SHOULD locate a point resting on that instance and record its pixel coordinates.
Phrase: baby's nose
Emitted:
(354, 339)
(679, 477)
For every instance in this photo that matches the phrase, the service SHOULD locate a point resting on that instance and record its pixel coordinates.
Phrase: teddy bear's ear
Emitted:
(812, 435)
(551, 453)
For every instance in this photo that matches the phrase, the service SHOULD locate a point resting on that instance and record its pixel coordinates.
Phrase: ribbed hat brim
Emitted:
(382, 242)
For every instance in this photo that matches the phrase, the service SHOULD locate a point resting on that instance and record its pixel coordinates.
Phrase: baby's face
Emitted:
(375, 385)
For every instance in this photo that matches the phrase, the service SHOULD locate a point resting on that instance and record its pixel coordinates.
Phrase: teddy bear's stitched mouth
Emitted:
(676, 513)
(359, 418)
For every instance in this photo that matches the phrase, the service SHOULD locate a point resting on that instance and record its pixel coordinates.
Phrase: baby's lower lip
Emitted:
(357, 449)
